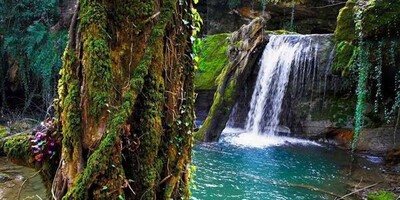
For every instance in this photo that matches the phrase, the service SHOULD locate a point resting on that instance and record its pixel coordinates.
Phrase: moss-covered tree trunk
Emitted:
(126, 101)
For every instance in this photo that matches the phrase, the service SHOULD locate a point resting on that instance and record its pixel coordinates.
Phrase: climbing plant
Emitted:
(376, 53)
(363, 70)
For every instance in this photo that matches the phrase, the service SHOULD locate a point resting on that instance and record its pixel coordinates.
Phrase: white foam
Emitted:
(239, 138)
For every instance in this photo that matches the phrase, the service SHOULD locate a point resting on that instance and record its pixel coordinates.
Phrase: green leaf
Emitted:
(195, 1)
(185, 22)
(121, 197)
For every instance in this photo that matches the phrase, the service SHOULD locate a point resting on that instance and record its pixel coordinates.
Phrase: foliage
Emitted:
(212, 52)
(338, 110)
(381, 195)
(363, 66)
(31, 46)
(345, 54)
(345, 23)
(44, 145)
(17, 148)
(3, 132)
(366, 29)
(197, 22)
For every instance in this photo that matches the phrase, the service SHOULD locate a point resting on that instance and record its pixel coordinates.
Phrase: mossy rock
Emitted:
(381, 195)
(17, 149)
(212, 58)
(279, 32)
(224, 98)
(380, 16)
(343, 62)
(377, 17)
(244, 48)
(345, 29)
(338, 110)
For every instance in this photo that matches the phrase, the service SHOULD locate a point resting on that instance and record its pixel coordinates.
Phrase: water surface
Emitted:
(33, 187)
(226, 171)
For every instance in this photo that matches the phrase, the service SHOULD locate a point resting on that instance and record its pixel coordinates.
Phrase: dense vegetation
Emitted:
(30, 51)
(123, 115)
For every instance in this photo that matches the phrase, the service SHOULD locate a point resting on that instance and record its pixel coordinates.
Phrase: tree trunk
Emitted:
(126, 101)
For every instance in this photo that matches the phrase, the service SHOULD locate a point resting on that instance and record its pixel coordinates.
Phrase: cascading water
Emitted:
(288, 61)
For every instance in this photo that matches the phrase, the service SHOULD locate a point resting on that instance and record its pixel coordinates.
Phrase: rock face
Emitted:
(329, 113)
(203, 103)
(367, 33)
(245, 47)
(378, 140)
(309, 16)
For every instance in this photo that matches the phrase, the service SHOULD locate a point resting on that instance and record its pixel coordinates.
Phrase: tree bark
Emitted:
(126, 101)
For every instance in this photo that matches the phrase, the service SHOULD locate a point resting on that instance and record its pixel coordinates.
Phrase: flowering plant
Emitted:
(43, 144)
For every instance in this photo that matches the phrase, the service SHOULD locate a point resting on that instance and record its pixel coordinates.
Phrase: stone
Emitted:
(316, 128)
(378, 140)
(244, 49)
(310, 16)
(4, 177)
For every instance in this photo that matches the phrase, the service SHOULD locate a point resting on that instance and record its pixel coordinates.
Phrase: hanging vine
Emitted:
(363, 66)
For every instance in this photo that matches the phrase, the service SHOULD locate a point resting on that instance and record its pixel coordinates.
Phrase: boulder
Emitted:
(246, 44)
(378, 140)
(375, 17)
(316, 128)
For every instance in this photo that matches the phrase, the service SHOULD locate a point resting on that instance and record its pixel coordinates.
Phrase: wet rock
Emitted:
(315, 128)
(392, 157)
(4, 177)
(309, 16)
(244, 49)
(378, 140)
(203, 103)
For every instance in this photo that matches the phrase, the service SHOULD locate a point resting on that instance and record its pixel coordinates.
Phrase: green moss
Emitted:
(381, 195)
(150, 105)
(3, 132)
(98, 70)
(17, 148)
(72, 116)
(92, 13)
(344, 58)
(224, 98)
(375, 16)
(345, 29)
(212, 59)
(338, 110)
(279, 32)
(98, 171)
(239, 44)
(379, 16)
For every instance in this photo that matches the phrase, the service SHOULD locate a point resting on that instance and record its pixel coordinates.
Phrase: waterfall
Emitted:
(271, 83)
(290, 67)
